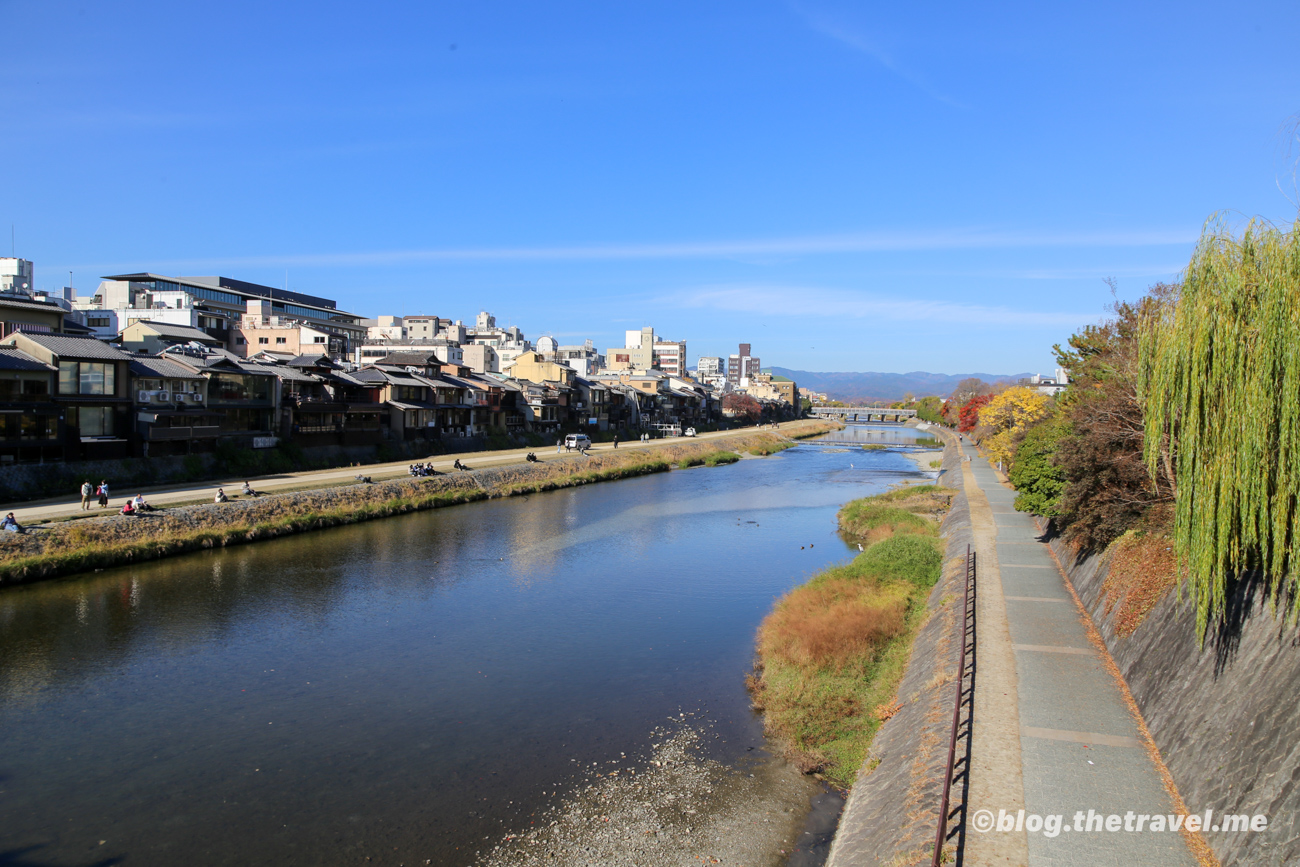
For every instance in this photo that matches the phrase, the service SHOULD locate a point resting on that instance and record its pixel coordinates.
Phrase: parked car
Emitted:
(577, 441)
(690, 431)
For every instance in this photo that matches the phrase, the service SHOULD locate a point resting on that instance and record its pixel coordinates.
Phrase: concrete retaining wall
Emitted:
(893, 811)
(1224, 716)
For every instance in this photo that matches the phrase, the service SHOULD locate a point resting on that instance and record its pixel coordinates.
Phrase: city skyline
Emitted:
(849, 192)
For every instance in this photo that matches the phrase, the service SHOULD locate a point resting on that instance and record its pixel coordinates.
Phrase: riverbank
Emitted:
(101, 542)
(832, 652)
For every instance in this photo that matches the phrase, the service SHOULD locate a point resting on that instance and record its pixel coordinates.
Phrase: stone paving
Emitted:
(1080, 747)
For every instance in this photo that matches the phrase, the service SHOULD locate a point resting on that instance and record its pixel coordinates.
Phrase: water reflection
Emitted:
(400, 687)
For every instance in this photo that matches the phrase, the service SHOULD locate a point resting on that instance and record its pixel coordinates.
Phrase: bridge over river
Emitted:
(862, 413)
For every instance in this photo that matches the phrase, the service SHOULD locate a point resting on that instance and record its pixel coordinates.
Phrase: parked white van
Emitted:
(577, 441)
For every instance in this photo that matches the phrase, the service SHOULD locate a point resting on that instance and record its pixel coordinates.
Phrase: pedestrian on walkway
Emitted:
(103, 494)
(559, 444)
(87, 491)
(615, 440)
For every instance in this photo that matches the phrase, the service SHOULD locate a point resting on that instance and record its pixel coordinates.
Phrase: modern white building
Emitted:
(16, 276)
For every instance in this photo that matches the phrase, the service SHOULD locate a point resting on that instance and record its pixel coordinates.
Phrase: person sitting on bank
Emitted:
(128, 508)
(141, 505)
(10, 524)
(247, 491)
(220, 497)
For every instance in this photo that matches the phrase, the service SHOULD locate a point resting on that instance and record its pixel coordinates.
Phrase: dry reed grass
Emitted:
(1143, 568)
(833, 624)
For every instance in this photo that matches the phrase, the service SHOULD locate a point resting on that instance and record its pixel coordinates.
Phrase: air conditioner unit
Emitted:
(143, 397)
(163, 396)
(197, 397)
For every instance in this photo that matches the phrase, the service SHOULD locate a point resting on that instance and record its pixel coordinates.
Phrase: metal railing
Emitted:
(965, 666)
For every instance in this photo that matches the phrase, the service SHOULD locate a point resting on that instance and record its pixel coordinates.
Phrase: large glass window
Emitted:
(238, 388)
(214, 295)
(39, 427)
(87, 377)
(92, 421)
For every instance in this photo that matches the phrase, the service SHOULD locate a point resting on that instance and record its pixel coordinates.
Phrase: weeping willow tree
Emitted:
(1220, 386)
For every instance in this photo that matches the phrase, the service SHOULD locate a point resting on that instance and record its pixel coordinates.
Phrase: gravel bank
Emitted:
(672, 806)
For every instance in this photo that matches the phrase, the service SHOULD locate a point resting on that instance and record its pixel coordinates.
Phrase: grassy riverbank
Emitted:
(832, 651)
(96, 543)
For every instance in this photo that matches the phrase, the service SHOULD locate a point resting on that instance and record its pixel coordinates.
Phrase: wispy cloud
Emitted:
(858, 242)
(834, 304)
(857, 40)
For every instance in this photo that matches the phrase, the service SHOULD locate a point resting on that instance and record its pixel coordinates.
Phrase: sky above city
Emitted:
(846, 186)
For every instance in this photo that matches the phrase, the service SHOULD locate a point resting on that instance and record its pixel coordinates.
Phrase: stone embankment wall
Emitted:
(893, 812)
(1224, 716)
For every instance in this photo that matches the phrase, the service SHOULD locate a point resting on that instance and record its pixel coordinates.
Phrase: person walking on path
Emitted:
(103, 494)
(615, 440)
(559, 444)
(87, 491)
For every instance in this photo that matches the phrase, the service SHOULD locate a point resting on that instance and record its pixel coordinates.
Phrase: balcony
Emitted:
(158, 434)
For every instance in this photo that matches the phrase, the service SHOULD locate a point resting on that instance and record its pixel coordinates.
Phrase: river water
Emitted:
(406, 688)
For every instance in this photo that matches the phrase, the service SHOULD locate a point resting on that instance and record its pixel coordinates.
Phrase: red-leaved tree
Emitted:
(970, 412)
(742, 406)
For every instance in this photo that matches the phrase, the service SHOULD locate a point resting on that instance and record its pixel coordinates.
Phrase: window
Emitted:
(239, 341)
(93, 421)
(237, 388)
(98, 321)
(262, 341)
(319, 339)
(280, 340)
(28, 427)
(87, 377)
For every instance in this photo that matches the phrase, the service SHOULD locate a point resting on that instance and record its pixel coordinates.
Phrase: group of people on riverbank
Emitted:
(89, 492)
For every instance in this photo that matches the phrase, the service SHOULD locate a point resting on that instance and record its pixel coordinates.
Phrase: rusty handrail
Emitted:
(956, 709)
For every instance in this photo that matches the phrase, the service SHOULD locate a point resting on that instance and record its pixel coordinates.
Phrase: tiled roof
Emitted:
(320, 359)
(177, 332)
(291, 374)
(77, 347)
(410, 358)
(16, 304)
(13, 358)
(162, 368)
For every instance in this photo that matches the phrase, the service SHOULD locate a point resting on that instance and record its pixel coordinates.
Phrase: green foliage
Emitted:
(718, 458)
(766, 449)
(905, 557)
(1038, 480)
(1219, 378)
(930, 409)
(860, 517)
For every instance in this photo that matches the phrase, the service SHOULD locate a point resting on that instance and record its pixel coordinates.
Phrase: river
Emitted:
(405, 689)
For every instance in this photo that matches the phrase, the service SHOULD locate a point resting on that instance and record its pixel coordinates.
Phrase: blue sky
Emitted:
(846, 186)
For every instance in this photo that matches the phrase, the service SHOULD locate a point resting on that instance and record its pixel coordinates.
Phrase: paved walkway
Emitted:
(1041, 683)
(35, 512)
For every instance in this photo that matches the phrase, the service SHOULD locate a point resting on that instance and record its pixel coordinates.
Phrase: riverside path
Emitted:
(1054, 733)
(189, 493)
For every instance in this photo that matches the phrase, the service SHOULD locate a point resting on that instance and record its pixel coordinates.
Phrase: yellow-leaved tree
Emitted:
(1005, 419)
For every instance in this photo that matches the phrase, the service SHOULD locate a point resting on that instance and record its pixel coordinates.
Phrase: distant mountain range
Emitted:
(866, 387)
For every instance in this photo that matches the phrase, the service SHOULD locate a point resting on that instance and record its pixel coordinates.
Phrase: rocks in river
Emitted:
(678, 807)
